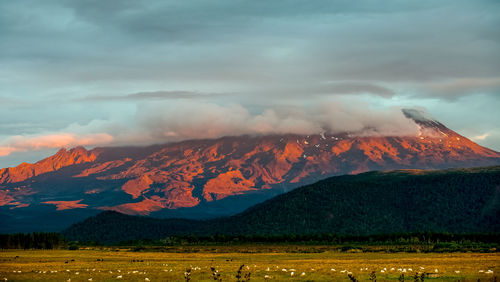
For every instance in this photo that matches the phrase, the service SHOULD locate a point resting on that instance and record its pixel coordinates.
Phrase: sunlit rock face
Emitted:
(61, 159)
(186, 174)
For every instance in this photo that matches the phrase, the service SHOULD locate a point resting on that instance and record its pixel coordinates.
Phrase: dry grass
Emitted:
(107, 265)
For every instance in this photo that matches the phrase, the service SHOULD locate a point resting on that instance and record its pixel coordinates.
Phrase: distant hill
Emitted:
(457, 200)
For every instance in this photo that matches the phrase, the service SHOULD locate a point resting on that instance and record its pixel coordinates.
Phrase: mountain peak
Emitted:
(62, 158)
(417, 115)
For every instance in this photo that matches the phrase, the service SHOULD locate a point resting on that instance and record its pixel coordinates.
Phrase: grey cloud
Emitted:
(356, 88)
(280, 53)
(170, 20)
(453, 90)
(298, 89)
(9, 102)
(251, 42)
(155, 95)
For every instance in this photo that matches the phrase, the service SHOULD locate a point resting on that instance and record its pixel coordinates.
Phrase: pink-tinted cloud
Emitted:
(480, 137)
(58, 140)
(6, 150)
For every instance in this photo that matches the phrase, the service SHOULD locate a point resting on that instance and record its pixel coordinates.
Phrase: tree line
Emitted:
(40, 240)
(36, 240)
(411, 238)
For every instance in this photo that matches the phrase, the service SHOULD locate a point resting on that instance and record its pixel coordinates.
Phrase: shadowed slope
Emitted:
(461, 200)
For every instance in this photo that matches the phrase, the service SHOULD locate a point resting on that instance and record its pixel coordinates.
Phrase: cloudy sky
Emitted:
(99, 72)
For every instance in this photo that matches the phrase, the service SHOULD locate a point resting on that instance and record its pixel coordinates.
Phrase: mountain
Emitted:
(456, 201)
(213, 177)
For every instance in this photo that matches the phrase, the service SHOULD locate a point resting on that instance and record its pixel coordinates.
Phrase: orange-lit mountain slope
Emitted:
(61, 159)
(195, 173)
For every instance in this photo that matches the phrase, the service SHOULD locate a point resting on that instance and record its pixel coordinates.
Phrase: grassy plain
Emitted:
(264, 263)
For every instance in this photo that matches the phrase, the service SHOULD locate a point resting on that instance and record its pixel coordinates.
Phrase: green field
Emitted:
(267, 264)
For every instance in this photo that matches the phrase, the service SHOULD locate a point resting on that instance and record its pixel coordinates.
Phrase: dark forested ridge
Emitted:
(455, 201)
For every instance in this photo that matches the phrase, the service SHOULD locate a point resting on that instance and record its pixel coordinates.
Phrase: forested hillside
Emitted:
(456, 201)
